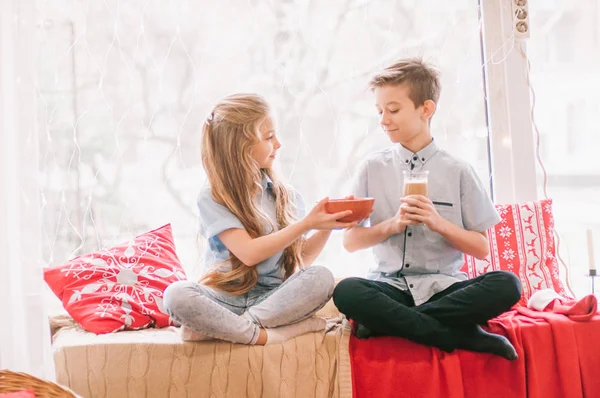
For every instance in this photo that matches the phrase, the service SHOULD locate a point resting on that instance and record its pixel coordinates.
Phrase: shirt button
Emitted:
(406, 160)
(415, 158)
(423, 159)
(409, 234)
(407, 265)
(411, 285)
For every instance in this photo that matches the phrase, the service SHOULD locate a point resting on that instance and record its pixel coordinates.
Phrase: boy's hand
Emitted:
(420, 209)
(400, 221)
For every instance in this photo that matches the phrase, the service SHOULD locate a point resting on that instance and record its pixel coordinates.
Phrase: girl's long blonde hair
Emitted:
(235, 182)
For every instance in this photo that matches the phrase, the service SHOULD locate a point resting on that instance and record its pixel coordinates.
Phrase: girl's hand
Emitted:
(318, 218)
(420, 209)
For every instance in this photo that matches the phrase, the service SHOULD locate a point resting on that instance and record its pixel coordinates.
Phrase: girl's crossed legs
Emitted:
(242, 319)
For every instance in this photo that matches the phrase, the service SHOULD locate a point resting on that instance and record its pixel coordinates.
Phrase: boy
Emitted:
(416, 289)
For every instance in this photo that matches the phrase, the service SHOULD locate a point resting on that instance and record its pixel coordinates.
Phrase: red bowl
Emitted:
(361, 208)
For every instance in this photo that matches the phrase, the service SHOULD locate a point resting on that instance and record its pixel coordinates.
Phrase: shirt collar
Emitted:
(422, 156)
(266, 182)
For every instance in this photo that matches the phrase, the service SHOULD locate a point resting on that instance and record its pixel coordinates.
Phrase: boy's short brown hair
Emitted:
(422, 80)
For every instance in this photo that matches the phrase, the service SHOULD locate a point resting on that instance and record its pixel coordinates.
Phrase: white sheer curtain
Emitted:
(24, 331)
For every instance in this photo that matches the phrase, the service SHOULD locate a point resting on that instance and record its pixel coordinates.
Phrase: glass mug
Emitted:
(415, 183)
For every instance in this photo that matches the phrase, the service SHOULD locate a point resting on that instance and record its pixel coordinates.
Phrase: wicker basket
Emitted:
(14, 382)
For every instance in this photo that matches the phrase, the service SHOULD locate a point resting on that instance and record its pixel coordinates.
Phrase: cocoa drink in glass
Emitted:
(415, 183)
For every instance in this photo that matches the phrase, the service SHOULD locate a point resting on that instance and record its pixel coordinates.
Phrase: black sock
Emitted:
(362, 332)
(477, 339)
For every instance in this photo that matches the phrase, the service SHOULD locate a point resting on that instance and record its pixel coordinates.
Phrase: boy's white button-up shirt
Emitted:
(420, 260)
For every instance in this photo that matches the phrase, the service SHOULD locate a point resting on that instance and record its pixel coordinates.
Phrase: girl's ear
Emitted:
(428, 109)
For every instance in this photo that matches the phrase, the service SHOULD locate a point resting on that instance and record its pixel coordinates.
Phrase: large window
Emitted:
(124, 88)
(564, 50)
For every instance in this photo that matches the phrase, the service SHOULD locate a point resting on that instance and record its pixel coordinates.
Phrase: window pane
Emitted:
(125, 86)
(564, 52)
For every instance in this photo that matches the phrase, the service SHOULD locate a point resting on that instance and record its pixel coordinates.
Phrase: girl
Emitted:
(254, 293)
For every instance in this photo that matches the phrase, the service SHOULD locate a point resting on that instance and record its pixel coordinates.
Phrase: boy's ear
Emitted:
(428, 109)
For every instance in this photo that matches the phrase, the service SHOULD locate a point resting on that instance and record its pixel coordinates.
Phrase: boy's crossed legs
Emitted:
(449, 320)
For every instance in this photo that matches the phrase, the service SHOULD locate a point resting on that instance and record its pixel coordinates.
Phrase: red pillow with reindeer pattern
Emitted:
(523, 243)
(119, 288)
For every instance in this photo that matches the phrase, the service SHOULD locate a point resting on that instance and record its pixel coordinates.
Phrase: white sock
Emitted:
(189, 334)
(283, 333)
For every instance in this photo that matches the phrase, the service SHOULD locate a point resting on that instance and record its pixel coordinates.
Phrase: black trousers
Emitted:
(441, 321)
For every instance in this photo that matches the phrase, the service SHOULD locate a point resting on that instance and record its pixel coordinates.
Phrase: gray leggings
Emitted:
(216, 314)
